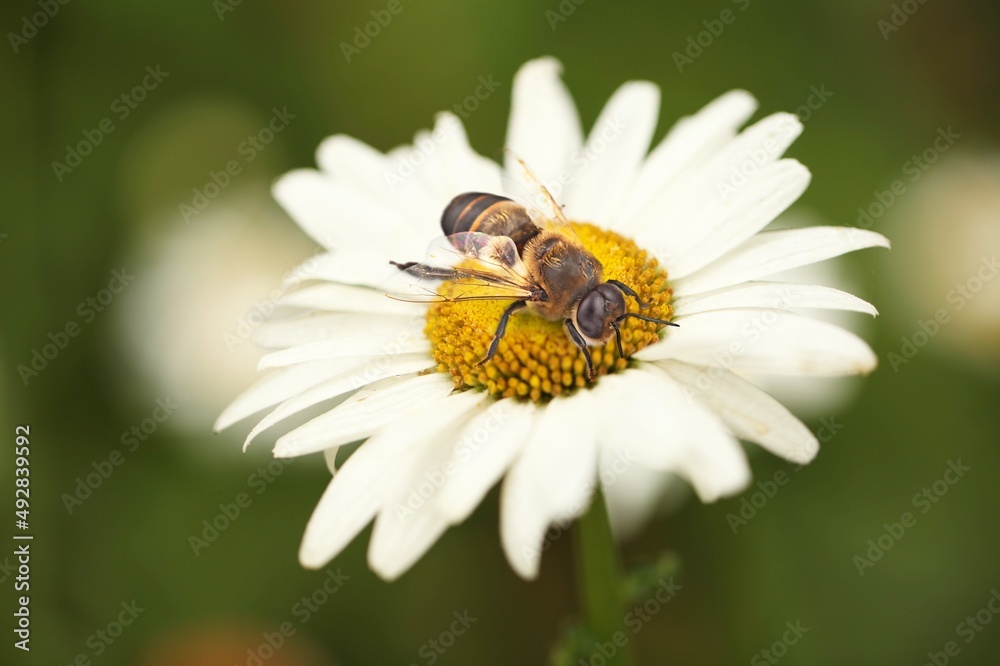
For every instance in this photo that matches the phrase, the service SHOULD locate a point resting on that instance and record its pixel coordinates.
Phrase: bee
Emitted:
(539, 266)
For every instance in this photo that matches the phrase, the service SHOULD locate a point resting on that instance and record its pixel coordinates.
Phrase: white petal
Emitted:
(364, 413)
(365, 372)
(544, 128)
(375, 344)
(342, 156)
(360, 488)
(726, 218)
(552, 480)
(781, 295)
(426, 170)
(748, 411)
(611, 158)
(689, 142)
(633, 496)
(766, 341)
(348, 298)
(367, 266)
(634, 435)
(330, 458)
(279, 386)
(660, 427)
(631, 487)
(482, 454)
(335, 214)
(372, 347)
(397, 544)
(416, 185)
(464, 169)
(772, 251)
(377, 176)
(669, 214)
(407, 524)
(313, 328)
(761, 144)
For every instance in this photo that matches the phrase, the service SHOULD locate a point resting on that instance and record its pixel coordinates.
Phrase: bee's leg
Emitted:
(618, 338)
(582, 344)
(423, 271)
(501, 328)
(628, 291)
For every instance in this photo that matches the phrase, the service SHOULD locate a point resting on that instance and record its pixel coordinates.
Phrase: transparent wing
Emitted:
(493, 252)
(466, 284)
(528, 190)
(478, 266)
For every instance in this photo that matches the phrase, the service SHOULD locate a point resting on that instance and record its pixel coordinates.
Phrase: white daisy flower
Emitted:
(680, 224)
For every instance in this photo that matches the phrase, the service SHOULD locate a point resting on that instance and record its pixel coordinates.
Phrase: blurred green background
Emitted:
(228, 64)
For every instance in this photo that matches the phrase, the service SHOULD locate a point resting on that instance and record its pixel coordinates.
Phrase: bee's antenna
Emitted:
(645, 318)
(628, 291)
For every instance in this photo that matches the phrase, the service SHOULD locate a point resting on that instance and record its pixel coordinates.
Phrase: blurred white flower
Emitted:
(204, 288)
(948, 230)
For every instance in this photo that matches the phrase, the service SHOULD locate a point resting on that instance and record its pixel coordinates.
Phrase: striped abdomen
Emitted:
(488, 214)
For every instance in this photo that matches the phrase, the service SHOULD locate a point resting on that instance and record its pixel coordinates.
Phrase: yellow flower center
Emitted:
(535, 358)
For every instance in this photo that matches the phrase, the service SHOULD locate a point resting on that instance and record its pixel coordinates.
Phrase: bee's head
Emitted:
(598, 311)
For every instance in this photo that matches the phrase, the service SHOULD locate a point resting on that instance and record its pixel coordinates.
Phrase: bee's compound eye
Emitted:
(591, 315)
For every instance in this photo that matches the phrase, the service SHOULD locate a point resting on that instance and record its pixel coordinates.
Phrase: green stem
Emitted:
(599, 583)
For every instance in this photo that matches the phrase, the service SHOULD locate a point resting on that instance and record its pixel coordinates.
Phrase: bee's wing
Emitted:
(494, 253)
(484, 267)
(528, 190)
